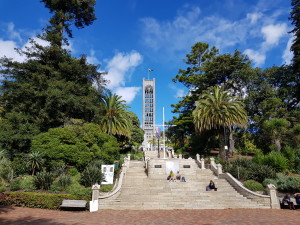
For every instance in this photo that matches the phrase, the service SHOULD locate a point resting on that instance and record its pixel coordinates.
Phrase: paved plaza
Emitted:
(27, 216)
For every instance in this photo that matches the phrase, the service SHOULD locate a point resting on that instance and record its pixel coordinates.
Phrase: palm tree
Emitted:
(216, 109)
(35, 161)
(115, 118)
(276, 128)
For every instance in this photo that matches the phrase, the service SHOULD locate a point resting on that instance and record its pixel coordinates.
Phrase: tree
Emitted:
(295, 18)
(51, 86)
(114, 116)
(216, 109)
(35, 161)
(276, 128)
(206, 68)
(81, 13)
(76, 145)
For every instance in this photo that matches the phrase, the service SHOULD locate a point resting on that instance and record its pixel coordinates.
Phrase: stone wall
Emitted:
(156, 168)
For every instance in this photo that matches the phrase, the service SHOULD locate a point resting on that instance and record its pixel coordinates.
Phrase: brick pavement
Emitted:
(27, 216)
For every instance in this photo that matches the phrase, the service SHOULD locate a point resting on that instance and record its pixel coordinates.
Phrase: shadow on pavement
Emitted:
(5, 209)
(28, 221)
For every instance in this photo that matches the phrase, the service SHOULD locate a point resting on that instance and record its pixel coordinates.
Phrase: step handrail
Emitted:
(125, 165)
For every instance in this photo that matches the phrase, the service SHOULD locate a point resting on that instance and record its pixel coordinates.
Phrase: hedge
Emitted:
(36, 200)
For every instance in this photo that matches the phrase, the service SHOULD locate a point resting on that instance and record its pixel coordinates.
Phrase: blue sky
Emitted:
(131, 36)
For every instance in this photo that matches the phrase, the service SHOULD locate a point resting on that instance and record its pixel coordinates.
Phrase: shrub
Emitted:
(77, 189)
(15, 185)
(43, 180)
(36, 200)
(27, 183)
(2, 187)
(64, 181)
(91, 175)
(253, 185)
(285, 183)
(276, 160)
(247, 169)
(73, 171)
(106, 188)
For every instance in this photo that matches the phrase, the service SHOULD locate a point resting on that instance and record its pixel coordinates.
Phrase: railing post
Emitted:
(219, 169)
(197, 157)
(212, 162)
(274, 202)
(95, 188)
(202, 164)
(94, 204)
(180, 156)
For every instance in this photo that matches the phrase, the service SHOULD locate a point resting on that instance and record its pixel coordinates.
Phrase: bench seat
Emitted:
(78, 204)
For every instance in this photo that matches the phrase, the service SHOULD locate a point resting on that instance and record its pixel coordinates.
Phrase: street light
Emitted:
(225, 146)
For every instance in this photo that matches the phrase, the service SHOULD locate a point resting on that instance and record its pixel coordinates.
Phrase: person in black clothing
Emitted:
(287, 200)
(211, 186)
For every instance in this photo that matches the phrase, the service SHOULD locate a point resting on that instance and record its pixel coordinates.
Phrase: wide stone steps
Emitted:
(140, 192)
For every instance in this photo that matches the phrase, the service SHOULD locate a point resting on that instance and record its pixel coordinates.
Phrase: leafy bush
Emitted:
(15, 185)
(36, 200)
(106, 188)
(276, 160)
(43, 180)
(285, 183)
(2, 187)
(77, 189)
(253, 185)
(27, 183)
(91, 175)
(73, 172)
(76, 145)
(247, 169)
(64, 181)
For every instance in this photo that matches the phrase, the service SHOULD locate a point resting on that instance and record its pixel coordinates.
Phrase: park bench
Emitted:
(73, 204)
(285, 205)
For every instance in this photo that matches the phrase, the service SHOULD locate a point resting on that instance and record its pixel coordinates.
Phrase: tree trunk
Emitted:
(221, 144)
(231, 141)
(277, 144)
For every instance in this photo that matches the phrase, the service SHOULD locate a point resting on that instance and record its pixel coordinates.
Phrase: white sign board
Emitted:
(174, 166)
(108, 172)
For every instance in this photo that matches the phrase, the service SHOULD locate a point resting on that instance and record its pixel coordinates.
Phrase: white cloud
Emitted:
(92, 59)
(257, 57)
(14, 35)
(120, 68)
(8, 50)
(127, 93)
(272, 33)
(287, 54)
(179, 92)
(254, 17)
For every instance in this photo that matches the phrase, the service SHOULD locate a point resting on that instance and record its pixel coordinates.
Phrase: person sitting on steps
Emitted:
(171, 176)
(211, 186)
(287, 199)
(178, 176)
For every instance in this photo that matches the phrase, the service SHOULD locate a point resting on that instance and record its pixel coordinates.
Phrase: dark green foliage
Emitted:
(275, 160)
(64, 181)
(285, 183)
(92, 174)
(51, 86)
(43, 180)
(36, 200)
(106, 188)
(247, 169)
(253, 185)
(73, 172)
(76, 145)
(15, 185)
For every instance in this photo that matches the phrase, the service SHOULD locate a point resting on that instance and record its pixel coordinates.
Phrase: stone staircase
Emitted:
(139, 192)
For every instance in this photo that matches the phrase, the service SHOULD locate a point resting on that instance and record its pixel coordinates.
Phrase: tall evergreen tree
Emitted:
(295, 18)
(51, 86)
